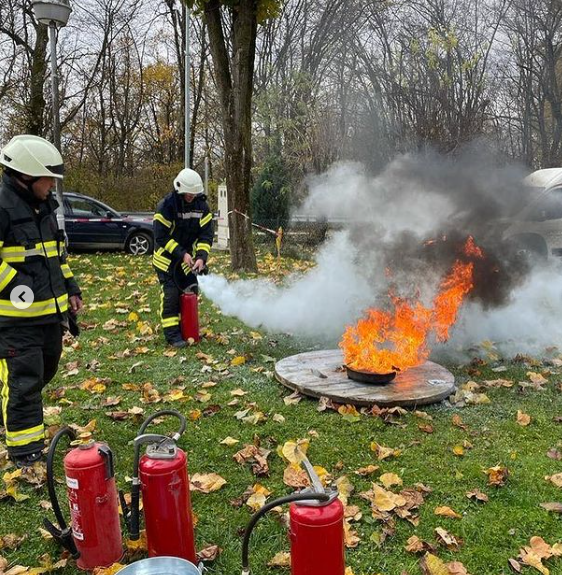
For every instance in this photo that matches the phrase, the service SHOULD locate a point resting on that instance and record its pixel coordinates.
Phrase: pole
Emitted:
(56, 118)
(206, 175)
(187, 119)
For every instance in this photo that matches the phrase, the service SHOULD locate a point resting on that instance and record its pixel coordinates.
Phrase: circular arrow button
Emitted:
(22, 297)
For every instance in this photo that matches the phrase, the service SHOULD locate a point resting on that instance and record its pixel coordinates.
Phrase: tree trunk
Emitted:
(36, 105)
(234, 76)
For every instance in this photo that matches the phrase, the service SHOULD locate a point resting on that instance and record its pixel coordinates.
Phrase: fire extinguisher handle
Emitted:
(105, 452)
(316, 483)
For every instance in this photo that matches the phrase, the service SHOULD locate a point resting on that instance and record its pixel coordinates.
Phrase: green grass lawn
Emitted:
(130, 353)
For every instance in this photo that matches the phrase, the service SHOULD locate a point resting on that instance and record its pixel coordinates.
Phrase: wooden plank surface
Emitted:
(320, 374)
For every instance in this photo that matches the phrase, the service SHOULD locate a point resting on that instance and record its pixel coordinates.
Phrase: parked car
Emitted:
(90, 224)
(537, 229)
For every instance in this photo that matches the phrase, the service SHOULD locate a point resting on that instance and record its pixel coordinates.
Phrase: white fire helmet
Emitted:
(32, 156)
(188, 182)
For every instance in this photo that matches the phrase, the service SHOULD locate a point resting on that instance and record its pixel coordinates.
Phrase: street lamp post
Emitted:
(187, 70)
(54, 14)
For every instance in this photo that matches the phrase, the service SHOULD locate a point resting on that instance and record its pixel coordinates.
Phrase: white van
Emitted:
(537, 229)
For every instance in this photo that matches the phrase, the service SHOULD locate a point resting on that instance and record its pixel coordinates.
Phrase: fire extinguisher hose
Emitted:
(174, 413)
(265, 509)
(63, 533)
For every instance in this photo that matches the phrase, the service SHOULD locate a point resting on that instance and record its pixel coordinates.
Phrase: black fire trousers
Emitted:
(29, 358)
(170, 301)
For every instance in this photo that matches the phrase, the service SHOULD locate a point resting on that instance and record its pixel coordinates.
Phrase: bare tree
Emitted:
(30, 41)
(535, 32)
(232, 39)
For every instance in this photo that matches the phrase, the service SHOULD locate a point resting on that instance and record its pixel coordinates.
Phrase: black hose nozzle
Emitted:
(134, 531)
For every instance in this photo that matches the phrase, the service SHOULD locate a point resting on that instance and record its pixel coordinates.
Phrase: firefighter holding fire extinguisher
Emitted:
(183, 235)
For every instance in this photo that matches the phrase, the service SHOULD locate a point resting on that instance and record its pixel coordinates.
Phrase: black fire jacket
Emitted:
(32, 254)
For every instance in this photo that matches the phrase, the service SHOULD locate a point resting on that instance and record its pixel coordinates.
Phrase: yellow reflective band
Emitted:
(15, 438)
(171, 246)
(159, 251)
(160, 266)
(204, 247)
(160, 218)
(186, 269)
(7, 274)
(161, 260)
(13, 254)
(204, 221)
(49, 248)
(23, 432)
(161, 263)
(36, 309)
(170, 321)
(1, 243)
(19, 253)
(66, 271)
(161, 257)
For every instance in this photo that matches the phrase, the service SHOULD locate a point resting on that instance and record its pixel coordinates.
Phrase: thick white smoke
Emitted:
(417, 195)
(530, 322)
(317, 304)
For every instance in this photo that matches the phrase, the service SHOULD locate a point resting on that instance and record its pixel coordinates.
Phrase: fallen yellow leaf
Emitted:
(229, 441)
(445, 511)
(432, 565)
(385, 500)
(390, 479)
(295, 451)
(523, 419)
(295, 476)
(345, 488)
(206, 482)
(282, 559)
(384, 452)
(556, 479)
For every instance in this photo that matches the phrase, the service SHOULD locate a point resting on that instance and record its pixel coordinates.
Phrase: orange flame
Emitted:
(384, 341)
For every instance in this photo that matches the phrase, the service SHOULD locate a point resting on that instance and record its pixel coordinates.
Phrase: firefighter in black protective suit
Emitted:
(37, 289)
(183, 235)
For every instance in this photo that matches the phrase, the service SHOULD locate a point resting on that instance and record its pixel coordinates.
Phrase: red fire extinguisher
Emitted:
(189, 312)
(316, 530)
(161, 475)
(94, 537)
(189, 304)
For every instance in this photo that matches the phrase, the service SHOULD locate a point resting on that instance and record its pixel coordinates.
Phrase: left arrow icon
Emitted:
(22, 297)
